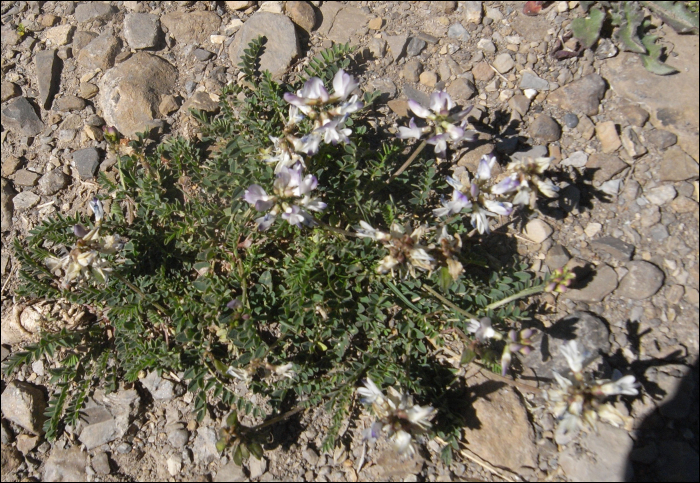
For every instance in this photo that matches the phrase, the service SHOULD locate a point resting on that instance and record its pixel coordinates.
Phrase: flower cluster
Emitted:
(404, 249)
(482, 199)
(440, 123)
(85, 260)
(291, 198)
(580, 400)
(559, 280)
(516, 341)
(482, 203)
(397, 416)
(329, 113)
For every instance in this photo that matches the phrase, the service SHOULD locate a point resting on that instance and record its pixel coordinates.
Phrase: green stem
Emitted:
(333, 229)
(522, 294)
(408, 162)
(121, 171)
(447, 302)
(140, 293)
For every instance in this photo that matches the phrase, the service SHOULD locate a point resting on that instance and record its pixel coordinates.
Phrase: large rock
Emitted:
(191, 27)
(497, 426)
(676, 165)
(24, 405)
(131, 92)
(66, 465)
(587, 329)
(601, 456)
(340, 24)
(594, 288)
(643, 280)
(100, 53)
(19, 115)
(582, 96)
(672, 100)
(141, 30)
(281, 47)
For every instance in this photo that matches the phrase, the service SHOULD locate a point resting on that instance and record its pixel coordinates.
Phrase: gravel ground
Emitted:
(625, 143)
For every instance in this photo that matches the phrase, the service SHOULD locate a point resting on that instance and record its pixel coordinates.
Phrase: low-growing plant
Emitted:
(286, 251)
(630, 28)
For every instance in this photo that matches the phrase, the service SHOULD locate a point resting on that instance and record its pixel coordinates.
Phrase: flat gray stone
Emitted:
(24, 177)
(66, 465)
(193, 27)
(87, 161)
(595, 287)
(532, 81)
(25, 200)
(100, 53)
(418, 96)
(282, 44)
(461, 89)
(52, 182)
(47, 75)
(231, 472)
(497, 414)
(69, 103)
(587, 329)
(557, 257)
(581, 96)
(604, 166)
(397, 45)
(601, 456)
(347, 21)
(81, 39)
(661, 195)
(661, 139)
(503, 63)
(100, 463)
(643, 280)
(415, 46)
(19, 115)
(614, 246)
(458, 32)
(142, 80)
(204, 446)
(676, 165)
(87, 12)
(577, 159)
(412, 70)
(141, 30)
(519, 103)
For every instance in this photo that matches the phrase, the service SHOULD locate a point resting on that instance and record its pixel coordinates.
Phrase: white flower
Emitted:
(370, 393)
(343, 84)
(419, 110)
(256, 196)
(625, 385)
(97, 209)
(402, 442)
(238, 373)
(572, 355)
(421, 415)
(285, 370)
(486, 164)
(441, 103)
(412, 131)
(481, 329)
(313, 93)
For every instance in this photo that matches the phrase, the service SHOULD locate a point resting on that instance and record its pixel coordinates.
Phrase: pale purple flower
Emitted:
(352, 105)
(256, 196)
(97, 209)
(412, 131)
(419, 110)
(313, 204)
(486, 164)
(297, 217)
(458, 203)
(441, 103)
(308, 144)
(343, 84)
(265, 222)
(313, 93)
(502, 208)
(440, 142)
(511, 183)
(331, 133)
